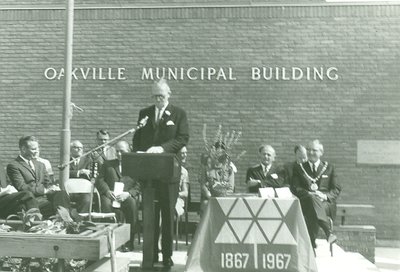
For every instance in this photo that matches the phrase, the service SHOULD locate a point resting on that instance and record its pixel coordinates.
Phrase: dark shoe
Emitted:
(124, 248)
(167, 262)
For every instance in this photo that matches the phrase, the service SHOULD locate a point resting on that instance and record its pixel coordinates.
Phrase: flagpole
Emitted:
(67, 113)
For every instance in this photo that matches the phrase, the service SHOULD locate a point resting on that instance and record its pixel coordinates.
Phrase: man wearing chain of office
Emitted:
(314, 183)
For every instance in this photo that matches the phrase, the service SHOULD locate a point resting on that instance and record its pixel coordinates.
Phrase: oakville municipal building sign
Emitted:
(196, 73)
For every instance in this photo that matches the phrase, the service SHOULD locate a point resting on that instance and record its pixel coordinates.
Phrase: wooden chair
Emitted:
(84, 186)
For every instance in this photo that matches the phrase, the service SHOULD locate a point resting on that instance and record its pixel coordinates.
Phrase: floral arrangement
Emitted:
(217, 162)
(221, 149)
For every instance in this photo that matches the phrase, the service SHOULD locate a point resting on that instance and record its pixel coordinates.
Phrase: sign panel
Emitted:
(378, 152)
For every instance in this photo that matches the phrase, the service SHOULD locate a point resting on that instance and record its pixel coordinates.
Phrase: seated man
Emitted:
(12, 201)
(80, 168)
(314, 183)
(265, 174)
(110, 173)
(27, 174)
(300, 153)
(105, 153)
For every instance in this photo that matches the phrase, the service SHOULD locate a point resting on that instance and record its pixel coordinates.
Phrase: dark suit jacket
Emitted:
(289, 167)
(326, 184)
(256, 172)
(84, 163)
(23, 178)
(172, 132)
(109, 174)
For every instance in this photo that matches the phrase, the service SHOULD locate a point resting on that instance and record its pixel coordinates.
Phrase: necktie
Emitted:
(159, 115)
(31, 165)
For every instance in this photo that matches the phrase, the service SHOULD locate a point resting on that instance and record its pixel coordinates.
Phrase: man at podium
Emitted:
(166, 131)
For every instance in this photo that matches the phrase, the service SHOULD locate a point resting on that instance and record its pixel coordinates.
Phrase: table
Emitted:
(91, 245)
(252, 234)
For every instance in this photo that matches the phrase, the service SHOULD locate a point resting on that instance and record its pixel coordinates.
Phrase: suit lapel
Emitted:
(307, 167)
(26, 165)
(116, 167)
(260, 171)
(166, 116)
(152, 116)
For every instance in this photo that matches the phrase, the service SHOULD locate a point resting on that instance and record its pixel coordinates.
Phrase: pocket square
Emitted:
(170, 123)
(324, 176)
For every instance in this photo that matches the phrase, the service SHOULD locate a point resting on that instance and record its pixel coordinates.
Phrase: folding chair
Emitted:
(84, 186)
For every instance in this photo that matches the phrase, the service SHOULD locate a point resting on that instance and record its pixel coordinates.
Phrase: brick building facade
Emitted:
(361, 41)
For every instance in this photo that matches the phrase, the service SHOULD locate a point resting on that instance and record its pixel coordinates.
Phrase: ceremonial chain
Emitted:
(314, 185)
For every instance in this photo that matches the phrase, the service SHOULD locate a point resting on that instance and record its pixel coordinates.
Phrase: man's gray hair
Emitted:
(264, 146)
(317, 143)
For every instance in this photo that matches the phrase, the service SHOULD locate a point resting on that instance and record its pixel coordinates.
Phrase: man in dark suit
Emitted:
(300, 153)
(109, 174)
(80, 168)
(265, 174)
(28, 174)
(167, 130)
(314, 183)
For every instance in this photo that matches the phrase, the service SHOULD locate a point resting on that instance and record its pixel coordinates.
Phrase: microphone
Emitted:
(143, 122)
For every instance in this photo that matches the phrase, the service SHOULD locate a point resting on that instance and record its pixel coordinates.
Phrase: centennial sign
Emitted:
(252, 234)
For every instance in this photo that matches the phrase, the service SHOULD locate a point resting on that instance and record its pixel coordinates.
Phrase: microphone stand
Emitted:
(133, 130)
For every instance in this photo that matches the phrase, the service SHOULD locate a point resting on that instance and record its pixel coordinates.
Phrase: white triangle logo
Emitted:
(255, 204)
(270, 227)
(269, 210)
(226, 236)
(240, 227)
(255, 236)
(284, 205)
(240, 210)
(284, 237)
(225, 204)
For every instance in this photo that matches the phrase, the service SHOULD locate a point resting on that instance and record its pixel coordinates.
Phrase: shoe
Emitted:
(332, 238)
(167, 262)
(125, 248)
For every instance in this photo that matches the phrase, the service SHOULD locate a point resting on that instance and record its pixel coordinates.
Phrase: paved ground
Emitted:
(387, 259)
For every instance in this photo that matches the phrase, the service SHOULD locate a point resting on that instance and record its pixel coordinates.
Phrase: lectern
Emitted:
(150, 169)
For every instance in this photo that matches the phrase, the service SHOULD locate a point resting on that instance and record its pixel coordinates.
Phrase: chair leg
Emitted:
(331, 249)
(176, 232)
(186, 228)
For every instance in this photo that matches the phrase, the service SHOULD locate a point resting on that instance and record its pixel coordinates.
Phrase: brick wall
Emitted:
(361, 41)
(8, 3)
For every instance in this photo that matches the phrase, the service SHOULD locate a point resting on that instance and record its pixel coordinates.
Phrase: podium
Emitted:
(150, 169)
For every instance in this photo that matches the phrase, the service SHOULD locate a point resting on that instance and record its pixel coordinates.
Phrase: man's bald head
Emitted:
(121, 147)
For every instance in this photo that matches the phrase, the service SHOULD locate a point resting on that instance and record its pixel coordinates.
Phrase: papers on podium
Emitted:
(283, 192)
(270, 192)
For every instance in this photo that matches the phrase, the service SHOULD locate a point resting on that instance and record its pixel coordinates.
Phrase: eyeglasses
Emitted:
(77, 147)
(158, 96)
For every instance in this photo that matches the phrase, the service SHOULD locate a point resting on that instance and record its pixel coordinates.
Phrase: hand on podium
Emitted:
(155, 149)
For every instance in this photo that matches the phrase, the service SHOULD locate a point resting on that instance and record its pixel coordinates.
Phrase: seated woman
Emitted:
(217, 177)
(183, 184)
